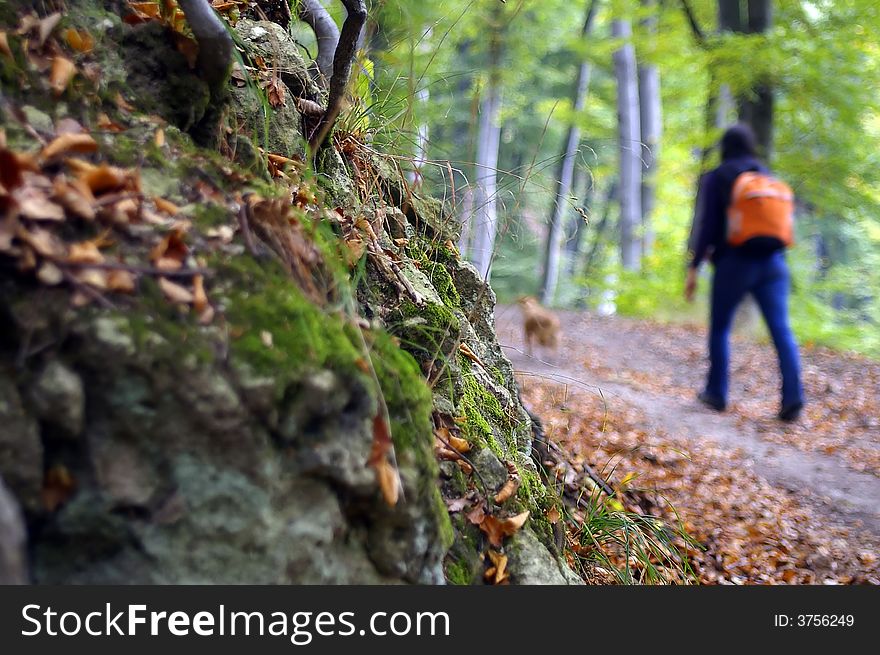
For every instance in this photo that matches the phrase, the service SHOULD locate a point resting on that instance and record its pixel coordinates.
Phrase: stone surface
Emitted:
(13, 561)
(58, 399)
(21, 451)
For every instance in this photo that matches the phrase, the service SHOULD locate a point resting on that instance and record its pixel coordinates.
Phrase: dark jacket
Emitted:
(711, 219)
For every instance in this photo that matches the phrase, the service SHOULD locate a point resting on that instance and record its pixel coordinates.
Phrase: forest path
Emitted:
(828, 461)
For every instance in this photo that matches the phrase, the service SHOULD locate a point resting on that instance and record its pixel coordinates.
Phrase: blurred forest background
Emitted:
(568, 139)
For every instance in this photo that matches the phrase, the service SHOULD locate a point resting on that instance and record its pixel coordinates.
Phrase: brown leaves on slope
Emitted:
(41, 192)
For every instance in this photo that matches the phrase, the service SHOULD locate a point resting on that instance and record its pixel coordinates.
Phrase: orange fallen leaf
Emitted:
(389, 481)
(496, 529)
(200, 298)
(61, 74)
(170, 252)
(66, 143)
(121, 103)
(58, 487)
(120, 281)
(166, 206)
(461, 445)
(497, 573)
(553, 515)
(467, 352)
(79, 40)
(103, 178)
(507, 490)
(108, 124)
(84, 252)
(159, 137)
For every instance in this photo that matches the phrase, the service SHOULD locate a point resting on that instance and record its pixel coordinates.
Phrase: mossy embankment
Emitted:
(230, 442)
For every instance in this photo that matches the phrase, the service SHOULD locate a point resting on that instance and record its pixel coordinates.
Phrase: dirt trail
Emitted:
(657, 369)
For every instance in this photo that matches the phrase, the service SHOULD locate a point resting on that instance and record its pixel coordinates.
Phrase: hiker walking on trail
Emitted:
(744, 226)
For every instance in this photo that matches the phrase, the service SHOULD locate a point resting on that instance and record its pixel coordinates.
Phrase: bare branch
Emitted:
(215, 44)
(313, 14)
(345, 53)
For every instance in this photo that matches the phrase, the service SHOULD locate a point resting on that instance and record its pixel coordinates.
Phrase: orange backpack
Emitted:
(760, 206)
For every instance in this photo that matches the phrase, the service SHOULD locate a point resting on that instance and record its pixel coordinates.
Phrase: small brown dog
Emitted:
(538, 323)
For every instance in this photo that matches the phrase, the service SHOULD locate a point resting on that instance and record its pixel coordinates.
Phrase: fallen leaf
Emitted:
(58, 487)
(170, 252)
(79, 40)
(121, 103)
(47, 25)
(93, 277)
(108, 124)
(166, 206)
(84, 252)
(498, 569)
(553, 515)
(61, 74)
(467, 352)
(67, 143)
(35, 205)
(10, 170)
(159, 137)
(175, 292)
(266, 338)
(75, 197)
(461, 445)
(456, 504)
(120, 281)
(309, 108)
(389, 481)
(507, 490)
(103, 178)
(496, 529)
(477, 515)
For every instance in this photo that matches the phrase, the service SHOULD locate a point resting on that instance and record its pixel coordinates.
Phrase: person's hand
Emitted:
(690, 285)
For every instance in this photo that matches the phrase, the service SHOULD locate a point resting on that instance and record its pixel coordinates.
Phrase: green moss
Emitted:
(433, 260)
(458, 572)
(209, 214)
(262, 298)
(426, 331)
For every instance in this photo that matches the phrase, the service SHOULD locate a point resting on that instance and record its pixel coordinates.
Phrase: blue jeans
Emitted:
(767, 279)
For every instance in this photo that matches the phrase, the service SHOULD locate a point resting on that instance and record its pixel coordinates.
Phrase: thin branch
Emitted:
(342, 61)
(215, 44)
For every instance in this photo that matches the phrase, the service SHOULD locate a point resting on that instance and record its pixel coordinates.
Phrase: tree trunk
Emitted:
(629, 135)
(485, 217)
(563, 185)
(651, 127)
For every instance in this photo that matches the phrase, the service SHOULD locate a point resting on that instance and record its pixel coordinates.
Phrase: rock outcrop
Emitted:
(142, 445)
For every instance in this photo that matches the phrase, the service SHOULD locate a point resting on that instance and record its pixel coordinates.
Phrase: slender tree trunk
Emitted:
(759, 107)
(485, 217)
(420, 154)
(629, 135)
(651, 126)
(563, 185)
